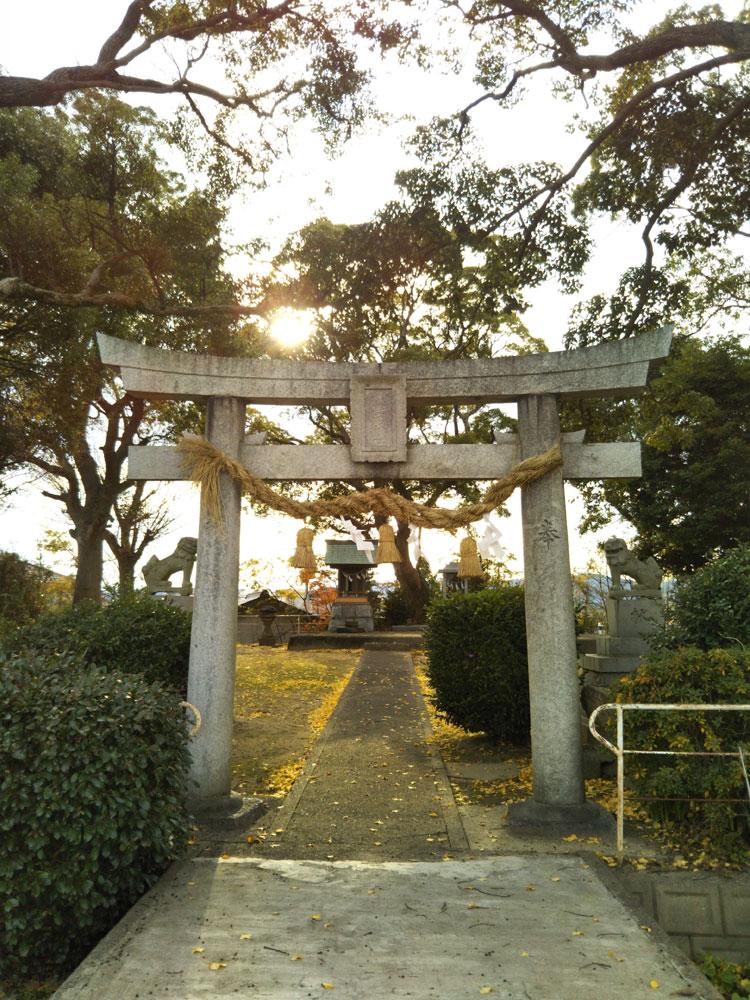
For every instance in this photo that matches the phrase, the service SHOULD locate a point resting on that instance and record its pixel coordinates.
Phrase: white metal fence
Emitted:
(620, 751)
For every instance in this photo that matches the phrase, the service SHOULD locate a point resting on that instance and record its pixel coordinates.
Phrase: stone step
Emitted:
(400, 641)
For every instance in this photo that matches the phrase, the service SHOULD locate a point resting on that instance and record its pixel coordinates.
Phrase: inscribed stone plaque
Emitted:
(378, 408)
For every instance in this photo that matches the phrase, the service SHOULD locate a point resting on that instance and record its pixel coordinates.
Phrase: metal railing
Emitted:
(620, 751)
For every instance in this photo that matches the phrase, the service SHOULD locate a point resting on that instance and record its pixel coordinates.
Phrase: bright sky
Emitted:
(305, 187)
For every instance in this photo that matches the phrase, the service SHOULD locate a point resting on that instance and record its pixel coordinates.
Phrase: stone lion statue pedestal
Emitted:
(633, 614)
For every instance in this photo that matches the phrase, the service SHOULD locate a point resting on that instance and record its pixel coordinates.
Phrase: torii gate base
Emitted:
(377, 396)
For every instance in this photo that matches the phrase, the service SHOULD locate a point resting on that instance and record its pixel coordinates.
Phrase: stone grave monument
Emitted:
(633, 614)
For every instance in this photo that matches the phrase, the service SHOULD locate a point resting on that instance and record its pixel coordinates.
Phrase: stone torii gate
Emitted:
(377, 396)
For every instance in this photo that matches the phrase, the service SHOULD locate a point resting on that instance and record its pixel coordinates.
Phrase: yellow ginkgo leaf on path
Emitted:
(279, 830)
(377, 843)
(472, 906)
(214, 966)
(245, 937)
(226, 857)
(654, 984)
(555, 878)
(524, 954)
(328, 926)
(297, 958)
(314, 916)
(484, 990)
(571, 838)
(577, 933)
(433, 813)
(327, 986)
(198, 951)
(530, 888)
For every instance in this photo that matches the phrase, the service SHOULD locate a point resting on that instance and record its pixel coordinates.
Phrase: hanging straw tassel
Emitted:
(469, 566)
(387, 551)
(304, 557)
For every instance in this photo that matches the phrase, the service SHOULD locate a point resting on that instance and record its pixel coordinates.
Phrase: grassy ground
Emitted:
(282, 702)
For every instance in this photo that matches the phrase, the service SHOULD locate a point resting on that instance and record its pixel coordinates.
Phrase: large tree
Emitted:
(427, 277)
(693, 500)
(88, 192)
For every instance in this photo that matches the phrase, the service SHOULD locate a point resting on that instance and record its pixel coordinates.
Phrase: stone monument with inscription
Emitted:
(377, 395)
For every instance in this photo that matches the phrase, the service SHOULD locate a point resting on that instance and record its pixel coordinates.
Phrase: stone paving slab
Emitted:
(517, 928)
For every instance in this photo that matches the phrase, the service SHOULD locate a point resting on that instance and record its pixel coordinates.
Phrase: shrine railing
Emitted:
(620, 751)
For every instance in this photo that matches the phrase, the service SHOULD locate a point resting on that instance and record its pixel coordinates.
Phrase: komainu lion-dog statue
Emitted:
(157, 572)
(622, 562)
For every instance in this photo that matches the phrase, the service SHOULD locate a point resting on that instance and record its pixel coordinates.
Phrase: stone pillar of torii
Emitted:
(377, 396)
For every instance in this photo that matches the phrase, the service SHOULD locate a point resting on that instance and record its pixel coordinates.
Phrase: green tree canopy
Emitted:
(693, 501)
(85, 196)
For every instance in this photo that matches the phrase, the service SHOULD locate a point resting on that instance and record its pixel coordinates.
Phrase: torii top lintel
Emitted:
(615, 369)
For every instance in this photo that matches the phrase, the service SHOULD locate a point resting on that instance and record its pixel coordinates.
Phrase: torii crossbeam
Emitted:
(377, 396)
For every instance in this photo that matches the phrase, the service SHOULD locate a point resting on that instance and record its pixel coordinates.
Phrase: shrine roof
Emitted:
(344, 552)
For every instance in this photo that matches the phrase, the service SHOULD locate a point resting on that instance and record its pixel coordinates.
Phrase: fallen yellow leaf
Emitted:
(654, 984)
(214, 966)
(472, 906)
(524, 954)
(297, 958)
(245, 937)
(314, 916)
(555, 878)
(577, 933)
(571, 838)
(484, 990)
(327, 986)
(198, 951)
(250, 839)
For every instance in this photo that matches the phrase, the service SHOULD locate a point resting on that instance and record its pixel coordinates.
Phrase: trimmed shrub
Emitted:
(711, 608)
(690, 675)
(131, 635)
(476, 647)
(93, 773)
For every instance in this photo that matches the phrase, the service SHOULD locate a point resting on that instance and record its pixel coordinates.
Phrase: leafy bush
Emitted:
(690, 675)
(133, 635)
(711, 608)
(21, 591)
(732, 980)
(476, 645)
(93, 773)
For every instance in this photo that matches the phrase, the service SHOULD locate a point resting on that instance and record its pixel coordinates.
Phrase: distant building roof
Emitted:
(340, 552)
(251, 600)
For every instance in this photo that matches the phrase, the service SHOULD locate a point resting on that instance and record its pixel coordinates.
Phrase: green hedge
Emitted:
(691, 675)
(131, 635)
(711, 608)
(476, 646)
(93, 773)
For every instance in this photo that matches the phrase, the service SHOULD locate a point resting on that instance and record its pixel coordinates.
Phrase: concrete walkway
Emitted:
(373, 789)
(369, 890)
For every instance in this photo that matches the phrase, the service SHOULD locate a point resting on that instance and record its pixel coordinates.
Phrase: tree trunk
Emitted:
(90, 543)
(409, 580)
(126, 569)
